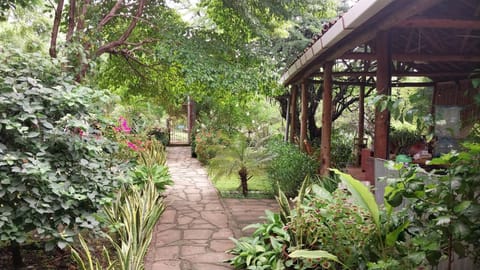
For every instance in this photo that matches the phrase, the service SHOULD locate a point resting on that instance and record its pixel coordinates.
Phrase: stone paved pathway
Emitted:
(193, 232)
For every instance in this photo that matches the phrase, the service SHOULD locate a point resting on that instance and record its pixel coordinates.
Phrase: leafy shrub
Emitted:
(156, 173)
(401, 139)
(341, 149)
(443, 210)
(289, 167)
(161, 135)
(132, 215)
(333, 223)
(151, 167)
(152, 152)
(265, 248)
(56, 168)
(207, 144)
(324, 231)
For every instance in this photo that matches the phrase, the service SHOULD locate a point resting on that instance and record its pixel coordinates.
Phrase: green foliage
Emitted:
(56, 168)
(444, 209)
(87, 260)
(7, 5)
(239, 158)
(161, 135)
(361, 194)
(134, 213)
(28, 30)
(474, 135)
(402, 138)
(208, 142)
(158, 174)
(153, 152)
(323, 231)
(337, 230)
(317, 255)
(341, 149)
(265, 248)
(132, 216)
(333, 223)
(289, 167)
(151, 166)
(413, 109)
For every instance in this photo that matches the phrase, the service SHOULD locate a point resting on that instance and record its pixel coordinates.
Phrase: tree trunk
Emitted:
(243, 173)
(56, 26)
(17, 258)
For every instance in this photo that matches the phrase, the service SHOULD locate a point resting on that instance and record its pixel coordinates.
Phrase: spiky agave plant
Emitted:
(240, 158)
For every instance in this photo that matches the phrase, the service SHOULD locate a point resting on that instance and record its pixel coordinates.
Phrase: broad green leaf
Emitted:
(321, 192)
(460, 230)
(443, 220)
(314, 254)
(392, 237)
(462, 206)
(362, 195)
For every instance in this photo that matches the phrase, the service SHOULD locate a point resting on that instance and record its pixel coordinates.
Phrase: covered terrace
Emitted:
(381, 44)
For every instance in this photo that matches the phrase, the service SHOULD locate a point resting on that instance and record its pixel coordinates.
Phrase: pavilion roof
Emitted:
(438, 39)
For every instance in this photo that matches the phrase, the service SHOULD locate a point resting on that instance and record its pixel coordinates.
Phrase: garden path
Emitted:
(193, 232)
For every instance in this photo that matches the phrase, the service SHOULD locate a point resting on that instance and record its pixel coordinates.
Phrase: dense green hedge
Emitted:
(289, 167)
(56, 168)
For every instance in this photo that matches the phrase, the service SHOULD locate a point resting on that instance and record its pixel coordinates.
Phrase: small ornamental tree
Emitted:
(56, 168)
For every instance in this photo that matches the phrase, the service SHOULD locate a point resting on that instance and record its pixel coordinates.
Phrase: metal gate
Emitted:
(180, 127)
(178, 131)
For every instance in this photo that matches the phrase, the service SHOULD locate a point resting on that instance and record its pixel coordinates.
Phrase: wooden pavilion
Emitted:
(390, 39)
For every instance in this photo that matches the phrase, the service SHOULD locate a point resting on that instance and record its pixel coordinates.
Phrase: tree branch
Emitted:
(110, 14)
(56, 25)
(126, 34)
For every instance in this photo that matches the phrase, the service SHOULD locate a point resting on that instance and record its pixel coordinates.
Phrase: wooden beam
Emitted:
(394, 84)
(293, 114)
(416, 57)
(402, 74)
(382, 118)
(303, 118)
(440, 23)
(326, 119)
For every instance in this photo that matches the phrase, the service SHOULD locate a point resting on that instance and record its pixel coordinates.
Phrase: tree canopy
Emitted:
(225, 51)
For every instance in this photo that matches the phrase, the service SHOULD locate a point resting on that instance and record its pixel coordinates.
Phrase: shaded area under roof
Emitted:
(438, 39)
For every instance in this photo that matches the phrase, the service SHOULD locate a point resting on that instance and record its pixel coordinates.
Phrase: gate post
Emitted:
(190, 118)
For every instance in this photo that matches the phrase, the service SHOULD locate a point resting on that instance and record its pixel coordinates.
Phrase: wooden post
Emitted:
(382, 118)
(361, 121)
(293, 112)
(303, 120)
(287, 120)
(326, 119)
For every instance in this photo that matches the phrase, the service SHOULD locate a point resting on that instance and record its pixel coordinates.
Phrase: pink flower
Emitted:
(124, 125)
(132, 146)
